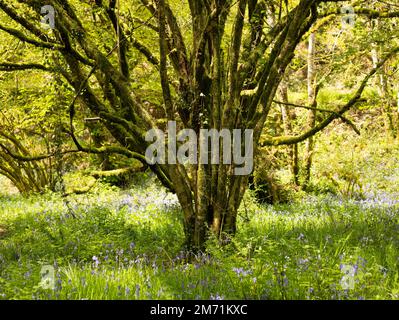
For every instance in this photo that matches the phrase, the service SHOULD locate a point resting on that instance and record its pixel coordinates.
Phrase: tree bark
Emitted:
(386, 100)
(287, 115)
(309, 148)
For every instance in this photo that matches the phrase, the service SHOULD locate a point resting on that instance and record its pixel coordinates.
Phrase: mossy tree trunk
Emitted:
(387, 101)
(27, 177)
(288, 117)
(312, 96)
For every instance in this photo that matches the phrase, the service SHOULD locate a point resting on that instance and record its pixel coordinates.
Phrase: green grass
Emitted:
(126, 245)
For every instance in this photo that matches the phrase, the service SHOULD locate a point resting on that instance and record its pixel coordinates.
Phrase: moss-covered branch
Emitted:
(289, 140)
(5, 66)
(344, 119)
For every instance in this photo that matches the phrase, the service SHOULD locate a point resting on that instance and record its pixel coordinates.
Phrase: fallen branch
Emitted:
(79, 191)
(116, 172)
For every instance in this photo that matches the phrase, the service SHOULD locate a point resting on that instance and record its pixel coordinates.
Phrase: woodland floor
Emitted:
(126, 244)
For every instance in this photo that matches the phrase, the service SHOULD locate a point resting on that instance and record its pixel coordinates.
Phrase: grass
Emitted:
(126, 245)
(114, 244)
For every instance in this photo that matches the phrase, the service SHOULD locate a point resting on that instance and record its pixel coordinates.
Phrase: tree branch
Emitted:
(31, 27)
(6, 66)
(277, 141)
(373, 14)
(23, 158)
(21, 36)
(167, 97)
(42, 44)
(145, 51)
(344, 119)
(113, 14)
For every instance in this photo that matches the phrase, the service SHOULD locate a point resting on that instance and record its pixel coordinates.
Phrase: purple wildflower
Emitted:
(96, 261)
(241, 272)
(137, 291)
(301, 237)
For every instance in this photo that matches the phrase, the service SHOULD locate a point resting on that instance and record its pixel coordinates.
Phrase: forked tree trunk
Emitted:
(222, 80)
(27, 177)
(214, 215)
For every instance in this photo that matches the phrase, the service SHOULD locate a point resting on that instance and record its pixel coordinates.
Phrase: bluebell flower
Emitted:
(301, 237)
(238, 271)
(217, 297)
(241, 272)
(284, 281)
(96, 261)
(303, 264)
(137, 291)
(362, 261)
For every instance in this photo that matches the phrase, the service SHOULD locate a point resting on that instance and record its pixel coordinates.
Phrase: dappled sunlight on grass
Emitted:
(115, 244)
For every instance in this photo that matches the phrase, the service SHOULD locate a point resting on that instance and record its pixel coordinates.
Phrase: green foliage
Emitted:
(356, 167)
(265, 184)
(113, 244)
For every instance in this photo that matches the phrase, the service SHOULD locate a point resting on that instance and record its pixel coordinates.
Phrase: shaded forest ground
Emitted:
(126, 244)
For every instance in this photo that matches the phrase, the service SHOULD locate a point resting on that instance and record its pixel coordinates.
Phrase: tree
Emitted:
(312, 98)
(222, 74)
